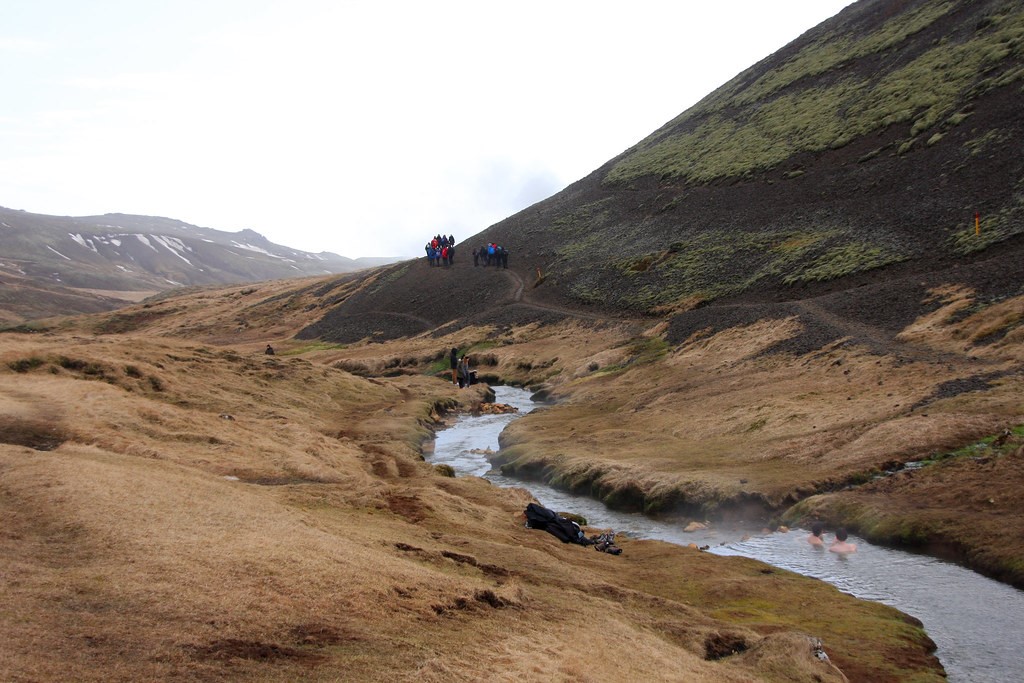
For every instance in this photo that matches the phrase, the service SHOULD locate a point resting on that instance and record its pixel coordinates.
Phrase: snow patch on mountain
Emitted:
(144, 240)
(173, 245)
(85, 242)
(250, 247)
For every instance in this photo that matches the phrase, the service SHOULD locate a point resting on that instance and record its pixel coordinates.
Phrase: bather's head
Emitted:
(841, 534)
(817, 528)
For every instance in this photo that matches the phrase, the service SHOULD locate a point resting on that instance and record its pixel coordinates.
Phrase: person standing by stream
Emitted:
(453, 359)
(465, 378)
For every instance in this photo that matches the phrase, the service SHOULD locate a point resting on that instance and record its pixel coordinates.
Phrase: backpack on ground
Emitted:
(539, 517)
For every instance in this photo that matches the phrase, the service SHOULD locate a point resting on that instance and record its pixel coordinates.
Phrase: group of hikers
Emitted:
(461, 374)
(441, 250)
(491, 254)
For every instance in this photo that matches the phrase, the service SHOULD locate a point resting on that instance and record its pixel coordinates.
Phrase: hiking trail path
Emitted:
(518, 297)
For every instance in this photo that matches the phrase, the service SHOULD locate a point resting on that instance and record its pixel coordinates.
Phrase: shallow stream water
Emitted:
(977, 623)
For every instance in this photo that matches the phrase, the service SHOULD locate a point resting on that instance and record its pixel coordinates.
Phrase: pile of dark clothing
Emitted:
(567, 531)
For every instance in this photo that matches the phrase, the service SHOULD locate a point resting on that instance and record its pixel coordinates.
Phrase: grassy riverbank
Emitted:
(744, 421)
(185, 512)
(923, 509)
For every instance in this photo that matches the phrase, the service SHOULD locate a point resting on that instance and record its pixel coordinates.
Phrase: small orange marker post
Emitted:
(977, 223)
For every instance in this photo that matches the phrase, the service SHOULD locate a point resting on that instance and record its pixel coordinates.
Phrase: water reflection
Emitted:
(973, 620)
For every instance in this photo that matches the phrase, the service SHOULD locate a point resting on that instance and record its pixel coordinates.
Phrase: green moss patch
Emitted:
(786, 112)
(844, 260)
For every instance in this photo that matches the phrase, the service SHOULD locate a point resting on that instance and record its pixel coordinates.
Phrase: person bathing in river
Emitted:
(814, 538)
(840, 545)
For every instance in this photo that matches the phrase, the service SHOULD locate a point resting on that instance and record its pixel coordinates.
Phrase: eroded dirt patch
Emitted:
(40, 435)
(254, 650)
(722, 645)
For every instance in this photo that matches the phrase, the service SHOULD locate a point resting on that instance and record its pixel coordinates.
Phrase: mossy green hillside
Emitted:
(787, 112)
(832, 50)
(708, 265)
(845, 259)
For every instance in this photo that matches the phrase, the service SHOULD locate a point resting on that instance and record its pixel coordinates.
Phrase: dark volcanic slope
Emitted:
(413, 297)
(871, 140)
(856, 154)
(872, 308)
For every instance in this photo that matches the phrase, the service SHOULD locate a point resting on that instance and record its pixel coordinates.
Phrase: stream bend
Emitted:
(975, 621)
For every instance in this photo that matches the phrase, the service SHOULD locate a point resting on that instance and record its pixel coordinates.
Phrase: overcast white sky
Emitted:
(360, 128)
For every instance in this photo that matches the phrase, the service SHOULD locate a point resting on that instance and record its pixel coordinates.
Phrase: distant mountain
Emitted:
(60, 265)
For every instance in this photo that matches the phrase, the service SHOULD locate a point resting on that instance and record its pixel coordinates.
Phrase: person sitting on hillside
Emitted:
(840, 545)
(814, 538)
(270, 350)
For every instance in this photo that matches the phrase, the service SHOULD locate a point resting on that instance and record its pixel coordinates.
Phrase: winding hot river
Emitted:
(977, 623)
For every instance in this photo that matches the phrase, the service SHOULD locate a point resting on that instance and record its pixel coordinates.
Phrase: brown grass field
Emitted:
(715, 428)
(197, 511)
